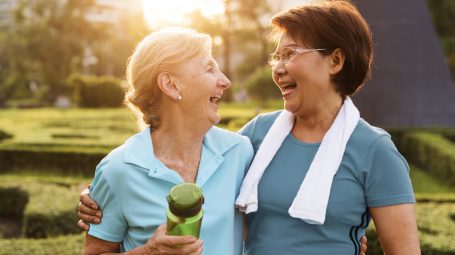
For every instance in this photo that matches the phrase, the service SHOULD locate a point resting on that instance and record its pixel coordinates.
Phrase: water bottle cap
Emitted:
(185, 199)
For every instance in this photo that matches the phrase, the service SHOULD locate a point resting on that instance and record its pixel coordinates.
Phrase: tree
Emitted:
(443, 12)
(260, 85)
(51, 34)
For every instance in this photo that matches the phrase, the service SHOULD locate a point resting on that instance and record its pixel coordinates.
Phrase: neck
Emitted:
(177, 143)
(177, 138)
(311, 124)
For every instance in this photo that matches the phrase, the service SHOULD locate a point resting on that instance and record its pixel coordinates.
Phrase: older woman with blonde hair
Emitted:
(320, 172)
(174, 85)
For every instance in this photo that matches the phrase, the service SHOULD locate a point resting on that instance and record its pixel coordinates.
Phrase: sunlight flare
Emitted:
(165, 12)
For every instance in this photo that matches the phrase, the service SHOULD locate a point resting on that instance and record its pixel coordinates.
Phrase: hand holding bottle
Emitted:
(162, 244)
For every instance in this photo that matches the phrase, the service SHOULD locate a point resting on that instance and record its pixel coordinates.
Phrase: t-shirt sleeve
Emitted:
(113, 223)
(387, 179)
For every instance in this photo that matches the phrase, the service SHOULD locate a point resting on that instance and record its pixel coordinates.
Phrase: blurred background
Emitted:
(62, 68)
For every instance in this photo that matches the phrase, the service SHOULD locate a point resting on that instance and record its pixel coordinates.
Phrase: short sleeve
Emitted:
(387, 179)
(113, 224)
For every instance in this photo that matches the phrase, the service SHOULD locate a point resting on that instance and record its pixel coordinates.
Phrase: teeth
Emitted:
(214, 99)
(289, 86)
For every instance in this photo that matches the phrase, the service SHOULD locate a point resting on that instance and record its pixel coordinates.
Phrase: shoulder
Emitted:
(376, 146)
(225, 140)
(258, 127)
(264, 121)
(114, 168)
(365, 137)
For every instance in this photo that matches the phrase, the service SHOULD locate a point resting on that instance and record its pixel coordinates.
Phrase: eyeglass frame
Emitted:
(296, 51)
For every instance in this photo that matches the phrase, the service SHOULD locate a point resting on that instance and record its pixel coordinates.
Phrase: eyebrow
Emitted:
(291, 45)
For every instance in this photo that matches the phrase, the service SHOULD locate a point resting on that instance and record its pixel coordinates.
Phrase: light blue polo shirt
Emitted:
(372, 174)
(131, 185)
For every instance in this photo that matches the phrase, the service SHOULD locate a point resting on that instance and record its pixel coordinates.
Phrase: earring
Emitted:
(179, 97)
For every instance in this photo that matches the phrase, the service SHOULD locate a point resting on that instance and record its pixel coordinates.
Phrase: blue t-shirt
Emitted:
(131, 185)
(372, 174)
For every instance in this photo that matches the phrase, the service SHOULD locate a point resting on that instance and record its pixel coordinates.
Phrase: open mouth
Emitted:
(215, 99)
(288, 89)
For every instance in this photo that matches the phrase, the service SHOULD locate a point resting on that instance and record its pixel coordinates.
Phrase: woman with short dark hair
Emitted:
(321, 172)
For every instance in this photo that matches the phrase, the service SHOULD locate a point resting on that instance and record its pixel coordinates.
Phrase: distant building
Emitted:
(411, 83)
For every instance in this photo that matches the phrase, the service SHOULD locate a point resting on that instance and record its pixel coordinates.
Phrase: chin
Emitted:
(215, 121)
(290, 107)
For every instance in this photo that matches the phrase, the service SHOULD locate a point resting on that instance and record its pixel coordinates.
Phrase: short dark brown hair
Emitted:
(332, 25)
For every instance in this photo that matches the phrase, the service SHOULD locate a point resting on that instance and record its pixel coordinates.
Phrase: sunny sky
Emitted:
(172, 11)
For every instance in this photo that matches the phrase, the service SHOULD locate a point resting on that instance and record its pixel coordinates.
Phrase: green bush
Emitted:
(12, 201)
(64, 245)
(4, 135)
(435, 223)
(51, 210)
(65, 160)
(260, 85)
(429, 151)
(96, 92)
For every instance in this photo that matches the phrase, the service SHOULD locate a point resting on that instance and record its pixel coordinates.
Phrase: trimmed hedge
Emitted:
(51, 210)
(435, 223)
(4, 135)
(64, 245)
(62, 159)
(429, 151)
(12, 201)
(96, 92)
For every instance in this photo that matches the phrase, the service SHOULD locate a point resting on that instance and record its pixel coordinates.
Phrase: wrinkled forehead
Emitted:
(196, 64)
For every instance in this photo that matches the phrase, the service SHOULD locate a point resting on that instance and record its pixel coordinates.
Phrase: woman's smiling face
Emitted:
(202, 85)
(304, 77)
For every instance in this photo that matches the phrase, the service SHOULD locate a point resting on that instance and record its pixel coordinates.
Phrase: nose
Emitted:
(224, 82)
(279, 69)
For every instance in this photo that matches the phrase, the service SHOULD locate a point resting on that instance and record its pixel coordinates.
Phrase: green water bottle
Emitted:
(184, 213)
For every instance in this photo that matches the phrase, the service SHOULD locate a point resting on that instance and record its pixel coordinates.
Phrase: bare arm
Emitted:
(397, 229)
(158, 244)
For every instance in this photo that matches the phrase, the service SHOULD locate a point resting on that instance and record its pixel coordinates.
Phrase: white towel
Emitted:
(310, 203)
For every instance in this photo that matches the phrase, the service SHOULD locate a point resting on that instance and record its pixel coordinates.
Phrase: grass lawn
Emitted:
(89, 128)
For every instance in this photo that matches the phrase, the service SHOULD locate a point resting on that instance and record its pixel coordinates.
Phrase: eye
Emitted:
(287, 53)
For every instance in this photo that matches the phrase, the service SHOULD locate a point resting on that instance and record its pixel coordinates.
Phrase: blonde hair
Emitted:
(164, 50)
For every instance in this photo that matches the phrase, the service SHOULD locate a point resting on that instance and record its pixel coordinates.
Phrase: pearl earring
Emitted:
(179, 97)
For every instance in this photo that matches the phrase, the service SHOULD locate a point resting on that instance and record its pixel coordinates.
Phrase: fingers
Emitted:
(198, 252)
(160, 243)
(89, 211)
(363, 247)
(88, 218)
(83, 225)
(86, 200)
(189, 249)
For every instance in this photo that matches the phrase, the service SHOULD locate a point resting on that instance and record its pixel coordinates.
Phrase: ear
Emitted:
(336, 61)
(167, 85)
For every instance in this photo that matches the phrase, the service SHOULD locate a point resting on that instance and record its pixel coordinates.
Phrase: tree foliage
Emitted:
(260, 85)
(47, 43)
(50, 36)
(443, 13)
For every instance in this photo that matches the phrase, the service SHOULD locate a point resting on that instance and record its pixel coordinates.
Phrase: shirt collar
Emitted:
(138, 151)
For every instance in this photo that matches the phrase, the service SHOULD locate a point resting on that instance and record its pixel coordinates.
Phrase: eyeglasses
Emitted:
(288, 54)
